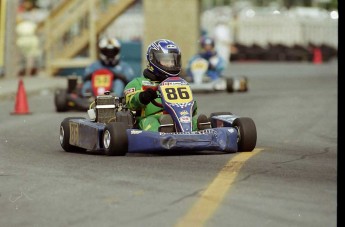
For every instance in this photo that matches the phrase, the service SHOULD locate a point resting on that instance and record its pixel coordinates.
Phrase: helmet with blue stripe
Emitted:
(164, 58)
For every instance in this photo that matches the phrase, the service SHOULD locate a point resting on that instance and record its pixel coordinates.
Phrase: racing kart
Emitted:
(72, 98)
(201, 82)
(112, 128)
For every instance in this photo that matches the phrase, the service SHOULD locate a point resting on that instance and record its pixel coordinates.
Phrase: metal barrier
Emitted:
(262, 27)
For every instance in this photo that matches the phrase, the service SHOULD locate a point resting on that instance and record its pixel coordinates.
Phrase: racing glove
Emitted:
(147, 96)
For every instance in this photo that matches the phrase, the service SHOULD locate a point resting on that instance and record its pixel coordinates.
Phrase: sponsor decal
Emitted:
(185, 119)
(207, 131)
(184, 112)
(181, 105)
(74, 133)
(129, 90)
(135, 132)
(171, 46)
(148, 83)
(201, 132)
(171, 83)
(231, 130)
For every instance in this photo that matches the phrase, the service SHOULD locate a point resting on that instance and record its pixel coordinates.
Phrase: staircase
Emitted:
(71, 31)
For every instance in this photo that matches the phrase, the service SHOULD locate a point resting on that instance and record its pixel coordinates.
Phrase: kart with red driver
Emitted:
(72, 98)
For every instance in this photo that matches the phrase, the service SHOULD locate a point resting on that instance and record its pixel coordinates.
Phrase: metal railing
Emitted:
(70, 32)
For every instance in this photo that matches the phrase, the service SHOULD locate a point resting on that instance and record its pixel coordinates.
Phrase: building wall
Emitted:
(176, 20)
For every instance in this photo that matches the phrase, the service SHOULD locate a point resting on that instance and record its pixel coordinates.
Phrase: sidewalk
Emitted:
(32, 85)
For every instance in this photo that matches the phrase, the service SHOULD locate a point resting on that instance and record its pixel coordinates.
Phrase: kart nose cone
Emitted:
(220, 85)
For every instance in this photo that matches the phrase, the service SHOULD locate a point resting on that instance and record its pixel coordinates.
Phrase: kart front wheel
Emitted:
(247, 136)
(114, 139)
(65, 134)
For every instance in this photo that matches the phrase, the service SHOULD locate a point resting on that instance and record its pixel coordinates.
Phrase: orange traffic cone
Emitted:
(21, 106)
(317, 58)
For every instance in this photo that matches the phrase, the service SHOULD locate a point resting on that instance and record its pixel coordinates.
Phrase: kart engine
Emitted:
(105, 108)
(111, 109)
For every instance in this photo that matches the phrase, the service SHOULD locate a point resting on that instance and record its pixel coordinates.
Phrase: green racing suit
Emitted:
(147, 115)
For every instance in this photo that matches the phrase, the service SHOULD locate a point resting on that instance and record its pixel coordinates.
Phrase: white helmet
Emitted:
(109, 51)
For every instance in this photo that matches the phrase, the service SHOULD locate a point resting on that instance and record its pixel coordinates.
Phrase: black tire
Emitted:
(246, 133)
(60, 99)
(114, 139)
(230, 85)
(64, 136)
(213, 123)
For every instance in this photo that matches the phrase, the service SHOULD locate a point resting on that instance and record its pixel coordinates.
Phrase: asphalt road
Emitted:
(289, 180)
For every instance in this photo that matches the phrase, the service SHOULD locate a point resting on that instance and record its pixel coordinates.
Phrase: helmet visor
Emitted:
(168, 61)
(110, 52)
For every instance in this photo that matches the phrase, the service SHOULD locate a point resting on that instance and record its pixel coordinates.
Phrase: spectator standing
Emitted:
(28, 18)
(223, 40)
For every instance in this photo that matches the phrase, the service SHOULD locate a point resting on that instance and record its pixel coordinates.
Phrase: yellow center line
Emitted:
(211, 198)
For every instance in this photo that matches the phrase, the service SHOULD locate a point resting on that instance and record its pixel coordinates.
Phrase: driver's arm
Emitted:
(132, 93)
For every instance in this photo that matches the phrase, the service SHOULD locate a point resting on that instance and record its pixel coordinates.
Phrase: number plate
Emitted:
(177, 93)
(199, 64)
(102, 80)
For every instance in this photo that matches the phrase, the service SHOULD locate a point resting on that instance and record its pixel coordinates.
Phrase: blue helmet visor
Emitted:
(168, 61)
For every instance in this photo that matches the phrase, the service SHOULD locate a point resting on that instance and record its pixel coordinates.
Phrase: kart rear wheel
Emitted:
(64, 136)
(60, 99)
(213, 122)
(114, 139)
(246, 133)
(230, 85)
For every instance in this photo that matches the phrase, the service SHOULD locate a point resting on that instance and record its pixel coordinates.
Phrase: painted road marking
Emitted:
(211, 198)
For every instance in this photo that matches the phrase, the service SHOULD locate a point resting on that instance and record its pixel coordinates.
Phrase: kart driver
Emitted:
(208, 52)
(163, 61)
(109, 58)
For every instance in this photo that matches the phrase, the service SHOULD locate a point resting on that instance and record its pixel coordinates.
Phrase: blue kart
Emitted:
(113, 130)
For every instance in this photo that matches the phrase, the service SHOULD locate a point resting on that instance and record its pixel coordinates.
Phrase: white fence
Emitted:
(285, 28)
(274, 27)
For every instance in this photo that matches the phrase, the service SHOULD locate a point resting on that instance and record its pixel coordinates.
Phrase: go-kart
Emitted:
(201, 82)
(72, 98)
(113, 130)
